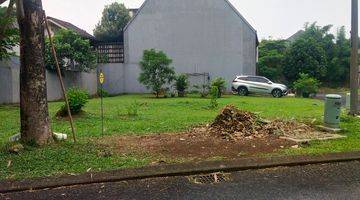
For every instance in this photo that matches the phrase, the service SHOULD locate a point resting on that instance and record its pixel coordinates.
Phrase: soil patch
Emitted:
(233, 133)
(194, 146)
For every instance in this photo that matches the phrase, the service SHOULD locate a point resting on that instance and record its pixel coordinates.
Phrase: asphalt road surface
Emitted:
(327, 181)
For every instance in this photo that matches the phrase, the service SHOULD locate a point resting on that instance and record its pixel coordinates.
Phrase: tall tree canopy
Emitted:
(315, 52)
(271, 57)
(114, 19)
(9, 33)
(320, 54)
(305, 56)
(339, 67)
(72, 50)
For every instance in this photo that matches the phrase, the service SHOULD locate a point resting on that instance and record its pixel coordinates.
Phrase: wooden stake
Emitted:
(60, 78)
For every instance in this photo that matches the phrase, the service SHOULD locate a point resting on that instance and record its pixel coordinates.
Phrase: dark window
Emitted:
(242, 78)
(252, 79)
(258, 79)
(263, 80)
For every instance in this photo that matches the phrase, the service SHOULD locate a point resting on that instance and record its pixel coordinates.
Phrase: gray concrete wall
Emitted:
(201, 36)
(10, 82)
(9, 72)
(114, 77)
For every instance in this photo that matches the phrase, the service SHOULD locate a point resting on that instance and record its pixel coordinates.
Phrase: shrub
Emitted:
(133, 109)
(77, 100)
(182, 84)
(214, 92)
(220, 83)
(203, 90)
(102, 92)
(167, 92)
(156, 70)
(306, 85)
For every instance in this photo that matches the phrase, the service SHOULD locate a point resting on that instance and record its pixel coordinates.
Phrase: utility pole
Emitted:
(354, 71)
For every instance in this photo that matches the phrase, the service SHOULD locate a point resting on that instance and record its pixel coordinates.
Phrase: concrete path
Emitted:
(326, 181)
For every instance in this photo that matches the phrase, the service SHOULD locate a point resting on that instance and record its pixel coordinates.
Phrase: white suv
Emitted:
(243, 85)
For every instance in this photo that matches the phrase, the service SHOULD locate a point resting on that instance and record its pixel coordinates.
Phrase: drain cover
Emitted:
(209, 178)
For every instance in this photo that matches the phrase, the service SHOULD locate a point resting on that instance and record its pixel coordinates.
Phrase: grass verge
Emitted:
(154, 116)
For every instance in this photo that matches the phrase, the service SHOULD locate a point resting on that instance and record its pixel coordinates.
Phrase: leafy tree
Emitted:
(306, 85)
(156, 70)
(271, 57)
(220, 84)
(316, 52)
(339, 67)
(72, 50)
(114, 19)
(9, 34)
(182, 84)
(305, 56)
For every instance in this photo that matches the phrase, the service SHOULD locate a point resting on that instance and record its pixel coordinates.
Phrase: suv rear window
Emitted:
(243, 78)
(258, 79)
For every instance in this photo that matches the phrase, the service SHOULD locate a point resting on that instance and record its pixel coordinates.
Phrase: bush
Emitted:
(306, 85)
(220, 83)
(203, 90)
(182, 84)
(102, 92)
(133, 109)
(214, 92)
(156, 71)
(77, 100)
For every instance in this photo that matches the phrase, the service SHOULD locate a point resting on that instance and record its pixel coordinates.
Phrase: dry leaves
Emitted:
(235, 124)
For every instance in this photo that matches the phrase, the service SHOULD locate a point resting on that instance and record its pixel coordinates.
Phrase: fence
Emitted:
(198, 78)
(10, 83)
(110, 52)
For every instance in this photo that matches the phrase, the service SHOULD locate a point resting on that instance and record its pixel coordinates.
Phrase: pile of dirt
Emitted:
(235, 124)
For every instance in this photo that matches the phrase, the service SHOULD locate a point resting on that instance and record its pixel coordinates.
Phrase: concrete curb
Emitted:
(173, 170)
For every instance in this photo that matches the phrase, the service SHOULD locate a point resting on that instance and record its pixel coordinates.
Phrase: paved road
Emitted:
(329, 181)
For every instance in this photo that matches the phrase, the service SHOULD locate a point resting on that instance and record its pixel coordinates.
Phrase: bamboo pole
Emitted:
(60, 78)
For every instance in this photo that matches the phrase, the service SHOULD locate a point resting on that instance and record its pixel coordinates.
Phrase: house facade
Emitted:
(204, 38)
(201, 37)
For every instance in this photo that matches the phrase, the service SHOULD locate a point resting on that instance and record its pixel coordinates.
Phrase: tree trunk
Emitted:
(35, 125)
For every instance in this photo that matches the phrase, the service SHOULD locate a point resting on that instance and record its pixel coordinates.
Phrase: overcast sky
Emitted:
(276, 18)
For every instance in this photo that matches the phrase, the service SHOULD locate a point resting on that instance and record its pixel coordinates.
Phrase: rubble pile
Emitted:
(235, 124)
(293, 129)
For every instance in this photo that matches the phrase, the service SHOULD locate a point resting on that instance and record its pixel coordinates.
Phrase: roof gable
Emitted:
(226, 1)
(69, 26)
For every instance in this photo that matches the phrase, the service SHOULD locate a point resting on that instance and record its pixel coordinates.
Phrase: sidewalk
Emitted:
(319, 181)
(173, 170)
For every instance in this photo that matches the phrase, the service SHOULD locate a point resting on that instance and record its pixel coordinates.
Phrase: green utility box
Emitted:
(332, 111)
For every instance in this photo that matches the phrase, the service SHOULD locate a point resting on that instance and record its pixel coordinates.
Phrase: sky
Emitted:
(271, 18)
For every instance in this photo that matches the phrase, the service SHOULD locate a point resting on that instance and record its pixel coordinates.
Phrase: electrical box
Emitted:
(332, 111)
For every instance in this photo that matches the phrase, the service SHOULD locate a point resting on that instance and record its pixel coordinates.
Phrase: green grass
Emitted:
(62, 158)
(155, 116)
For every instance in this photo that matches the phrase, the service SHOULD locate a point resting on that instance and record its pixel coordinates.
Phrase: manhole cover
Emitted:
(213, 178)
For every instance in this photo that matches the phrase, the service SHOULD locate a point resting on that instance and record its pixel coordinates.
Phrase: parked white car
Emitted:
(244, 85)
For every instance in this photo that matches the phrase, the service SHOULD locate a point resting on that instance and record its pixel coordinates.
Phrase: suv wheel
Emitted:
(277, 93)
(243, 91)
